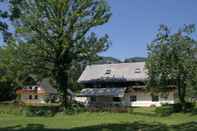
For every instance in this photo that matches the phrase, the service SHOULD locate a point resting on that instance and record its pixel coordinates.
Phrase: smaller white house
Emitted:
(120, 85)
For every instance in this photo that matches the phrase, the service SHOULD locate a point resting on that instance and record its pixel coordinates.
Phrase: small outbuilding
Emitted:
(37, 92)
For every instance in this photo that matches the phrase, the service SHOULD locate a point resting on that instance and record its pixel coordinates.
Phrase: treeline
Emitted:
(111, 60)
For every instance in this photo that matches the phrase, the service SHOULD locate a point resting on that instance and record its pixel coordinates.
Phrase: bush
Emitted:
(75, 108)
(40, 111)
(164, 110)
(110, 109)
(167, 109)
(188, 107)
(177, 107)
(194, 111)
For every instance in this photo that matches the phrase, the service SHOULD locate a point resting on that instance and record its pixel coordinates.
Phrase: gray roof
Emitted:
(70, 92)
(122, 71)
(45, 83)
(113, 92)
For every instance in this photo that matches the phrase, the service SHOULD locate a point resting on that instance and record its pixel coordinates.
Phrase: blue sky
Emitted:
(134, 23)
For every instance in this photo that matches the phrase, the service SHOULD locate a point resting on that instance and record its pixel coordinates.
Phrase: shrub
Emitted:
(40, 111)
(27, 112)
(164, 110)
(194, 111)
(177, 107)
(168, 109)
(188, 107)
(75, 108)
(110, 109)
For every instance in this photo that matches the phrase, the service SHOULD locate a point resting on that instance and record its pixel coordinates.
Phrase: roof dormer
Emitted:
(108, 72)
(137, 70)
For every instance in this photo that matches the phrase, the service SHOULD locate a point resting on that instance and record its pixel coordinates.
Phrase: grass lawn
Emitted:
(142, 119)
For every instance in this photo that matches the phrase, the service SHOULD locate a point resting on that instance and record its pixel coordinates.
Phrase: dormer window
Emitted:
(108, 71)
(137, 70)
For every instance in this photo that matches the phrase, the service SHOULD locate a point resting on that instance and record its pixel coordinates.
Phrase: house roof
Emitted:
(47, 86)
(113, 92)
(114, 72)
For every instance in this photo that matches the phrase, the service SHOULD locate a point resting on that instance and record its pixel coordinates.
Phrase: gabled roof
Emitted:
(114, 72)
(47, 86)
(113, 92)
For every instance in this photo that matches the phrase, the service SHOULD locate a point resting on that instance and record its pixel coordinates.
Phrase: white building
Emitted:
(40, 92)
(120, 85)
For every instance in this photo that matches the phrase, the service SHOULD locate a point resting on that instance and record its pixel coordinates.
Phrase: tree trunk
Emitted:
(181, 93)
(65, 100)
(64, 87)
(61, 78)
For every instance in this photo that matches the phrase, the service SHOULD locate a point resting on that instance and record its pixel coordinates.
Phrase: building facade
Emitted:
(39, 93)
(120, 85)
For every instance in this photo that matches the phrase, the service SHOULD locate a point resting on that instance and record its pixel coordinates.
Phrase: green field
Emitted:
(142, 119)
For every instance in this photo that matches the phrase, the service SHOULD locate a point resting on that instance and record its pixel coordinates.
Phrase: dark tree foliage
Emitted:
(10, 69)
(172, 60)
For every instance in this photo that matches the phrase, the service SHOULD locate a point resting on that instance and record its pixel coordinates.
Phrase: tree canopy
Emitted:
(55, 35)
(172, 60)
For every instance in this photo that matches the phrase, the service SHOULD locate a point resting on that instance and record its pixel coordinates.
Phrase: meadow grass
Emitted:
(141, 119)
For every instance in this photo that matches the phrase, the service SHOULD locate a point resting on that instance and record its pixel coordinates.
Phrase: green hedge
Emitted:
(168, 109)
(75, 108)
(40, 110)
(15, 109)
(164, 110)
(111, 109)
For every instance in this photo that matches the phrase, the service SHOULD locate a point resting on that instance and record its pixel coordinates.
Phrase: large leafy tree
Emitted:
(57, 33)
(172, 60)
(10, 69)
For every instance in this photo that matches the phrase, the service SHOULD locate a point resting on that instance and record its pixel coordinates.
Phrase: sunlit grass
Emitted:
(89, 119)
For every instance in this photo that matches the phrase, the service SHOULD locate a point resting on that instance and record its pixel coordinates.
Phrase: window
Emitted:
(165, 97)
(93, 99)
(116, 99)
(108, 71)
(155, 98)
(36, 97)
(133, 98)
(30, 97)
(137, 70)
